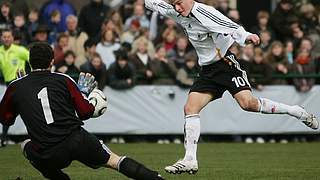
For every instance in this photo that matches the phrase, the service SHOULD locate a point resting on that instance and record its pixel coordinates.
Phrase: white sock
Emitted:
(270, 107)
(191, 136)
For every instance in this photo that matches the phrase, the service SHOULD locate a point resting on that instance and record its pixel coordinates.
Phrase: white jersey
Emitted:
(209, 31)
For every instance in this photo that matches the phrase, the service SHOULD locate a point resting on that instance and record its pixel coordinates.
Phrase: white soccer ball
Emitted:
(99, 101)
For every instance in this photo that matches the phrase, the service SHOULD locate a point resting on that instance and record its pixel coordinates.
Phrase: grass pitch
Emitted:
(218, 161)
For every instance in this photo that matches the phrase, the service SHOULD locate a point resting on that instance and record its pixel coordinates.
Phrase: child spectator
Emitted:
(97, 68)
(187, 73)
(53, 25)
(67, 65)
(265, 38)
(164, 69)
(289, 50)
(276, 57)
(259, 71)
(141, 60)
(121, 73)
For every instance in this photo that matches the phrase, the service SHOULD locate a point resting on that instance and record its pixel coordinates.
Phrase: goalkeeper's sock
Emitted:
(270, 107)
(191, 136)
(135, 170)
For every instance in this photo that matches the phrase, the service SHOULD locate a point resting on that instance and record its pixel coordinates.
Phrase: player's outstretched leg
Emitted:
(270, 107)
(132, 168)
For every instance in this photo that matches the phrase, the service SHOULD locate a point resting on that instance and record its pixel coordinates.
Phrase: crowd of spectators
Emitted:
(130, 45)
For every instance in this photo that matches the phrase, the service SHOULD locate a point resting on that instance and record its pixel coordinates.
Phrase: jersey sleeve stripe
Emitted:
(164, 6)
(217, 19)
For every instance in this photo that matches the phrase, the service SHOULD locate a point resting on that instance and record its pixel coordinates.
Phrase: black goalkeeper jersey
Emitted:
(50, 105)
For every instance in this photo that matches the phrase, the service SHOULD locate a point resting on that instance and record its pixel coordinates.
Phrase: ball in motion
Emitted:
(99, 101)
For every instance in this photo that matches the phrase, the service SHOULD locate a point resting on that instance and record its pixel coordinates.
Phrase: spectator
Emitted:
(91, 17)
(144, 34)
(33, 22)
(304, 64)
(65, 9)
(309, 19)
(19, 6)
(97, 68)
(297, 34)
(20, 30)
(163, 69)
(277, 59)
(223, 7)
(90, 47)
(107, 46)
(138, 14)
(60, 48)
(116, 18)
(169, 38)
(132, 33)
(6, 19)
(121, 73)
(67, 66)
(263, 18)
(13, 58)
(77, 38)
(108, 24)
(41, 34)
(187, 73)
(178, 53)
(282, 18)
(260, 73)
(289, 51)
(234, 15)
(141, 60)
(265, 40)
(53, 24)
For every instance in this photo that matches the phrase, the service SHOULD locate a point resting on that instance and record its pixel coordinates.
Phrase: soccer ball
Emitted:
(99, 101)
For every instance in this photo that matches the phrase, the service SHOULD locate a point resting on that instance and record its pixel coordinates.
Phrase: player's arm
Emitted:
(217, 22)
(8, 113)
(162, 7)
(82, 106)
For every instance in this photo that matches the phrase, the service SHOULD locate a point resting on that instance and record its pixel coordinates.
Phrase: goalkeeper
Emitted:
(48, 103)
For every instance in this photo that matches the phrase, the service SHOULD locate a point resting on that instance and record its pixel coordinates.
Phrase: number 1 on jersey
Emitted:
(43, 96)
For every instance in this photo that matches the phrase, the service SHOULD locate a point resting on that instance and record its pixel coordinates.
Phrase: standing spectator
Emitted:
(107, 46)
(6, 19)
(276, 57)
(63, 6)
(163, 68)
(41, 34)
(77, 38)
(141, 60)
(259, 71)
(60, 48)
(121, 73)
(281, 19)
(138, 14)
(12, 58)
(97, 68)
(33, 22)
(187, 73)
(20, 30)
(115, 16)
(304, 64)
(263, 18)
(67, 66)
(91, 17)
(178, 53)
(108, 24)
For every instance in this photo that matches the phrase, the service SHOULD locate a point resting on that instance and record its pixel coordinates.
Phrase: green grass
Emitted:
(221, 161)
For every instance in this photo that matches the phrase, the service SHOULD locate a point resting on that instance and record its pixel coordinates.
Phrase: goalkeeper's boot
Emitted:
(182, 166)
